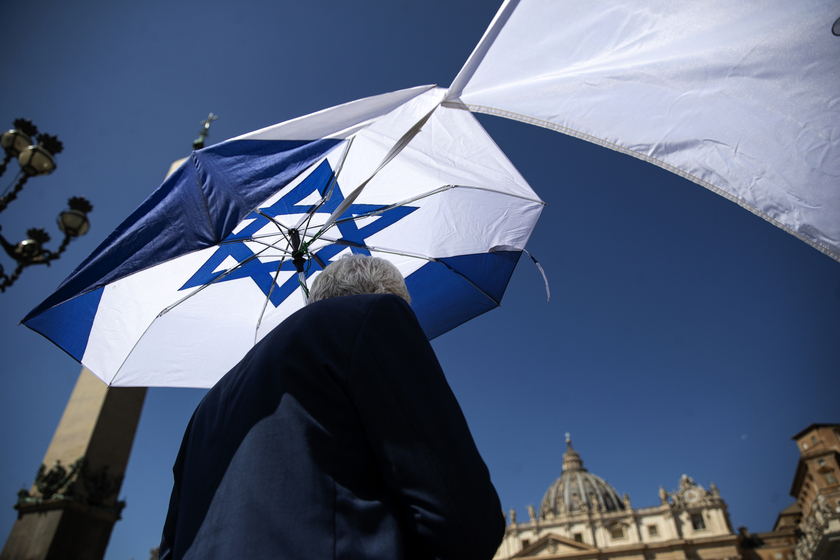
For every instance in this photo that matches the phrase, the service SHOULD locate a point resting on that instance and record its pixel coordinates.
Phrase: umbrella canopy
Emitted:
(204, 268)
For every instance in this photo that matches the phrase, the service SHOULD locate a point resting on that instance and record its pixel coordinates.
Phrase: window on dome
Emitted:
(697, 521)
(617, 532)
(829, 477)
(653, 531)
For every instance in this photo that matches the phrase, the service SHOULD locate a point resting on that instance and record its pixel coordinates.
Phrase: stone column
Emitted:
(70, 510)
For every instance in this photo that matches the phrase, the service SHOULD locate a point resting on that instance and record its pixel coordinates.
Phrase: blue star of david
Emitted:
(263, 273)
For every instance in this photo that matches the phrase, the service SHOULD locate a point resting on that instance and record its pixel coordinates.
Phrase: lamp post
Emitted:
(34, 160)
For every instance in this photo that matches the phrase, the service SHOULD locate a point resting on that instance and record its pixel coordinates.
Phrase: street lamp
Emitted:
(34, 160)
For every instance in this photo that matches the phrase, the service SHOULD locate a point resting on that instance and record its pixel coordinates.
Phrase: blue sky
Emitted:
(684, 334)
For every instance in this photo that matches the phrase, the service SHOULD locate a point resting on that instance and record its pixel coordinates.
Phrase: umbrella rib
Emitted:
(245, 261)
(268, 298)
(398, 147)
(328, 194)
(258, 241)
(274, 221)
(503, 193)
(474, 285)
(379, 249)
(384, 209)
(430, 193)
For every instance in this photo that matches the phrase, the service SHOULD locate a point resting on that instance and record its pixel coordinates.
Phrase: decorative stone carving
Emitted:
(686, 482)
(813, 528)
(512, 516)
(690, 494)
(56, 481)
(78, 484)
(532, 514)
(100, 485)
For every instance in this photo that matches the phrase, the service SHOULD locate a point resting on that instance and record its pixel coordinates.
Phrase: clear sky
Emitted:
(684, 334)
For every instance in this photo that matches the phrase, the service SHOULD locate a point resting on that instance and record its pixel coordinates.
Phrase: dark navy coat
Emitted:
(337, 436)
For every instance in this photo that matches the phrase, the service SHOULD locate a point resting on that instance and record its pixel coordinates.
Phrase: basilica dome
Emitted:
(578, 490)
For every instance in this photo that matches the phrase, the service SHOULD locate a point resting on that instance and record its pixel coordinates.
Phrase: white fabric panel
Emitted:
(181, 348)
(451, 149)
(741, 97)
(373, 143)
(462, 221)
(129, 306)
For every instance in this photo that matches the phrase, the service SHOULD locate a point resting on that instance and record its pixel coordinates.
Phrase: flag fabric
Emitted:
(740, 97)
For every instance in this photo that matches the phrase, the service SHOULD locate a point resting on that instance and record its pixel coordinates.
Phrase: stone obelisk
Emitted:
(72, 506)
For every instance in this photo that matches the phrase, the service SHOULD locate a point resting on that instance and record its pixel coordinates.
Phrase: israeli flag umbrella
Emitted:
(739, 97)
(222, 252)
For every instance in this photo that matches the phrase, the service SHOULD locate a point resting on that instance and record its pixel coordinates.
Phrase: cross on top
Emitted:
(198, 143)
(206, 122)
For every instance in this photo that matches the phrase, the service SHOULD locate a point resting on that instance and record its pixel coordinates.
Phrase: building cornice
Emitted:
(813, 427)
(636, 548)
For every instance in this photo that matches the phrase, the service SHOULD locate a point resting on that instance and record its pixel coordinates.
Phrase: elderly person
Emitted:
(337, 436)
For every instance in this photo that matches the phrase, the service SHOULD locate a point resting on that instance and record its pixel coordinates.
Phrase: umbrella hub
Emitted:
(298, 258)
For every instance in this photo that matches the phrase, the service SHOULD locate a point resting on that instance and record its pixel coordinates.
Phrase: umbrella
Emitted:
(740, 98)
(221, 253)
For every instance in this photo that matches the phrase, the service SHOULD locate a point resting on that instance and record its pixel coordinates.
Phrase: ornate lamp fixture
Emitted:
(73, 222)
(36, 159)
(16, 140)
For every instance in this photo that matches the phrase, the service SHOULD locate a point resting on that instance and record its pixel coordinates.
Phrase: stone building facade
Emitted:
(777, 544)
(583, 517)
(816, 487)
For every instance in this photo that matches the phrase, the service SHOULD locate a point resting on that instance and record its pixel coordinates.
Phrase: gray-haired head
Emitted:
(358, 274)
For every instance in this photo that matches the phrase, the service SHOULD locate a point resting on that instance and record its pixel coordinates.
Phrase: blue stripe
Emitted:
(195, 208)
(442, 299)
(68, 326)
